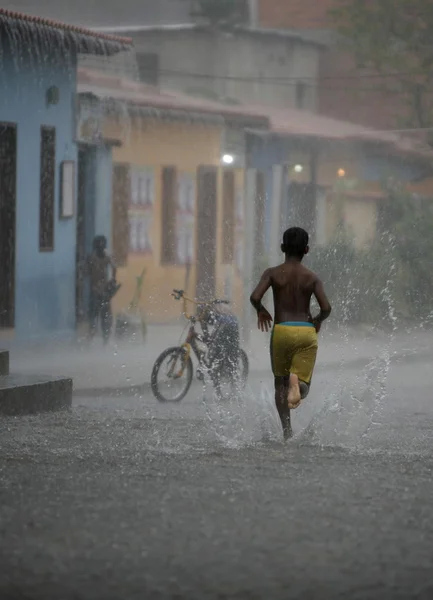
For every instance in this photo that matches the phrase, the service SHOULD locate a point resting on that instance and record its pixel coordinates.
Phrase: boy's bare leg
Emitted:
(281, 392)
(294, 392)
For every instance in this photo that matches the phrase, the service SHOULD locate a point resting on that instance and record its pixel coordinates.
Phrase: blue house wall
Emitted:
(44, 281)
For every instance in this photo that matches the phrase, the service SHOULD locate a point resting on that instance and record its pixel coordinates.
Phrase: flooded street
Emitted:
(127, 498)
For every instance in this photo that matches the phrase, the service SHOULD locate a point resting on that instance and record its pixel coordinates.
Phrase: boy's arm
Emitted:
(263, 316)
(261, 289)
(324, 304)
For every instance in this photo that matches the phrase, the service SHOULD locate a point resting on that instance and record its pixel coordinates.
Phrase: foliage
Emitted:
(393, 37)
(389, 282)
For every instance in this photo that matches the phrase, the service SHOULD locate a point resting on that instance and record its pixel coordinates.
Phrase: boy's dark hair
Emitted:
(295, 242)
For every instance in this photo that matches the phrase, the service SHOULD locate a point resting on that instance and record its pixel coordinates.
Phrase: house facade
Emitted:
(192, 222)
(177, 208)
(38, 158)
(321, 174)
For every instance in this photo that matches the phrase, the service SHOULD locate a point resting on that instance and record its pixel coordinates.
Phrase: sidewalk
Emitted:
(130, 364)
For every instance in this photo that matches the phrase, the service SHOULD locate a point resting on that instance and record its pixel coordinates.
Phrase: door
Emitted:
(8, 166)
(206, 232)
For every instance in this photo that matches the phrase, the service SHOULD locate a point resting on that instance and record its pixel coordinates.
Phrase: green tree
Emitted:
(392, 38)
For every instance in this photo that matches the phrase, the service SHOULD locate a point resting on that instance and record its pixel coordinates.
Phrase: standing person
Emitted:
(294, 335)
(102, 287)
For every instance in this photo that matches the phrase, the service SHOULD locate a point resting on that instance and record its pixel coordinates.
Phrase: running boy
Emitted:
(294, 335)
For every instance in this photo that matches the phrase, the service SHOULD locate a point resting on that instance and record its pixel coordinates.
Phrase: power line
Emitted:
(287, 82)
(291, 81)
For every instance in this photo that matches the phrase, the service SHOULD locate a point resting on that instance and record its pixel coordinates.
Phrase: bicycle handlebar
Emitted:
(180, 294)
(177, 294)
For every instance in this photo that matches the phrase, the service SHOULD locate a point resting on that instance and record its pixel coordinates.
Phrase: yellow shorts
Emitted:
(294, 350)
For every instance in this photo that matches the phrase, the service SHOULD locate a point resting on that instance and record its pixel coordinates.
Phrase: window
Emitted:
(301, 94)
(148, 68)
(185, 219)
(47, 188)
(228, 229)
(142, 187)
(168, 222)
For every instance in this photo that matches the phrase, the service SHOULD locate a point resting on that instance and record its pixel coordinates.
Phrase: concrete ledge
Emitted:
(30, 394)
(4, 362)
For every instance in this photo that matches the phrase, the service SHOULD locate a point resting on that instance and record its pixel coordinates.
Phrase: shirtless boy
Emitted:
(294, 335)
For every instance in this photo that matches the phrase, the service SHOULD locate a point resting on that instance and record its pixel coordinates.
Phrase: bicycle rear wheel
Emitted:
(172, 375)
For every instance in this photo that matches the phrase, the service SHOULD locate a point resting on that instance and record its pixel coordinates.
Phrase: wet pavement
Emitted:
(126, 498)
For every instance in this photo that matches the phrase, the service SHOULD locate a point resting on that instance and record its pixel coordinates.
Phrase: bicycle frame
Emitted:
(190, 342)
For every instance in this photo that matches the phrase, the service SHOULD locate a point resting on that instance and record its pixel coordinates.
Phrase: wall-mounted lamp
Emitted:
(341, 172)
(228, 159)
(298, 168)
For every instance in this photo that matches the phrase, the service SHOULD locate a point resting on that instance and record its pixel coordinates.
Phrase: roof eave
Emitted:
(148, 108)
(46, 31)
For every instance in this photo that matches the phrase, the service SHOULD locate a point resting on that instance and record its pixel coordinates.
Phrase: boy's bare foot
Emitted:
(294, 395)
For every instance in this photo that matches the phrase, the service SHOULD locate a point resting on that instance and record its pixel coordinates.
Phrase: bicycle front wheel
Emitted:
(172, 375)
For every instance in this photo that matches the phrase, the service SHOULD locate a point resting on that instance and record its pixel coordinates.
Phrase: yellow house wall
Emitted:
(156, 143)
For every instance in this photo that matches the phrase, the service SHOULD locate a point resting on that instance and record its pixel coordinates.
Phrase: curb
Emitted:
(29, 395)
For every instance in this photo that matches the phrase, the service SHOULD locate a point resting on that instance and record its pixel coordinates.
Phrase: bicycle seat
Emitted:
(177, 294)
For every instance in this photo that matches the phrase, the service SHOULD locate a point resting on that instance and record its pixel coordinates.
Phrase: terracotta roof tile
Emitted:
(138, 94)
(284, 122)
(113, 42)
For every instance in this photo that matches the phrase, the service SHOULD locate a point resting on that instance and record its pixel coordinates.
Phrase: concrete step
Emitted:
(31, 394)
(4, 362)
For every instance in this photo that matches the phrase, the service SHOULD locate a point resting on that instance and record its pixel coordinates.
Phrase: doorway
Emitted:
(8, 176)
(206, 232)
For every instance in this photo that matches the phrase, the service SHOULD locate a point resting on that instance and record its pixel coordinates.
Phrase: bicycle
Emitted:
(180, 366)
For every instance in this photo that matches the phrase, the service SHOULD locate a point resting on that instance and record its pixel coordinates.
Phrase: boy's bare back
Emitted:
(292, 286)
